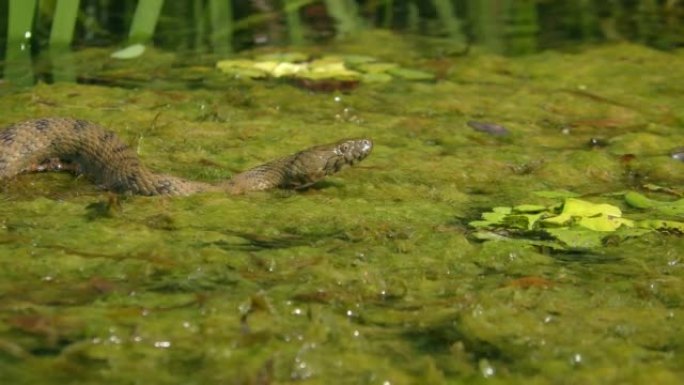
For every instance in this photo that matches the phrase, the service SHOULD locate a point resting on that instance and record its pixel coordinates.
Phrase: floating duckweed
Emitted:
(335, 67)
(291, 57)
(575, 224)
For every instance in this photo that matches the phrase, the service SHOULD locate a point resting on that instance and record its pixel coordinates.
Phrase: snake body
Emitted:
(105, 159)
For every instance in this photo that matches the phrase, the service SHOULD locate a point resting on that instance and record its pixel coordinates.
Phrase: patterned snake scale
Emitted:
(106, 160)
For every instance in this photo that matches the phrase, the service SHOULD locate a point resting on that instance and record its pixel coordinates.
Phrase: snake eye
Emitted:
(344, 148)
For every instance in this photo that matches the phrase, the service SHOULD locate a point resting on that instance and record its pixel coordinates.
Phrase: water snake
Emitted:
(106, 160)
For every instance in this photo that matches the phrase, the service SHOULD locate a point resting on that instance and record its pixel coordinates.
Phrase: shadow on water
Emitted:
(259, 242)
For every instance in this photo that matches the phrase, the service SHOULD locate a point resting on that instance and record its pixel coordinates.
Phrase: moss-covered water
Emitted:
(371, 276)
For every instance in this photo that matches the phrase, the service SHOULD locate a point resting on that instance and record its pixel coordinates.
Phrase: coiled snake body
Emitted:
(105, 159)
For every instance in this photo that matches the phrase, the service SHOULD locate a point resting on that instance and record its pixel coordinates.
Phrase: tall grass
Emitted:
(221, 13)
(63, 23)
(18, 67)
(295, 29)
(61, 36)
(145, 20)
(445, 12)
(345, 16)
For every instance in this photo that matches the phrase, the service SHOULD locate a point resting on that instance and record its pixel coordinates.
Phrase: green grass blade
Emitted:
(20, 23)
(63, 23)
(221, 14)
(452, 25)
(145, 20)
(18, 67)
(294, 22)
(344, 15)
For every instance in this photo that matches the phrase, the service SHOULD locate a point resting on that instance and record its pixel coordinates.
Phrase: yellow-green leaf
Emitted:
(604, 223)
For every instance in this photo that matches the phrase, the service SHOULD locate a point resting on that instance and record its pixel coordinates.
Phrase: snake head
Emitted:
(347, 152)
(353, 150)
(303, 168)
(311, 165)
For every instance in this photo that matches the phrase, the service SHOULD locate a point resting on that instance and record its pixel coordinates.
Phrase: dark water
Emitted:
(220, 27)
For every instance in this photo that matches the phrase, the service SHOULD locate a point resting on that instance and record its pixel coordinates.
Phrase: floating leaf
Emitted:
(578, 207)
(522, 221)
(638, 201)
(288, 69)
(266, 66)
(675, 208)
(604, 223)
(478, 224)
(331, 69)
(494, 217)
(580, 225)
(303, 71)
(574, 207)
(289, 57)
(577, 237)
(237, 63)
(525, 208)
(130, 52)
(241, 67)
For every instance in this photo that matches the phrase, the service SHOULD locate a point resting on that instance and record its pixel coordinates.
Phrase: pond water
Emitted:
(372, 276)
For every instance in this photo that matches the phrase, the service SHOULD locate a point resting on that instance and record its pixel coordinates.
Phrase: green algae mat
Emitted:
(519, 221)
